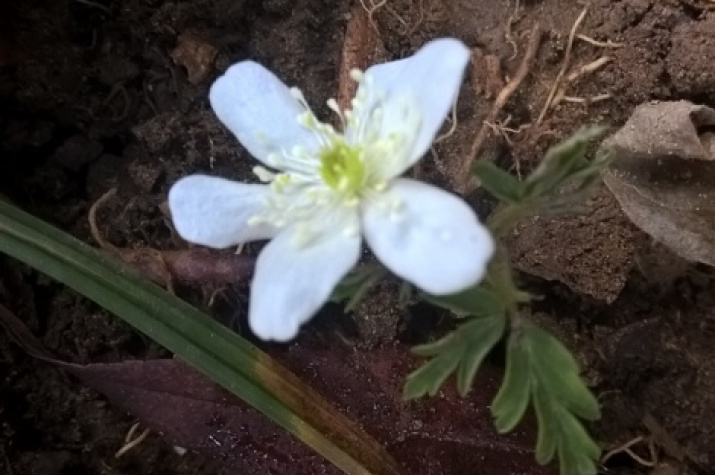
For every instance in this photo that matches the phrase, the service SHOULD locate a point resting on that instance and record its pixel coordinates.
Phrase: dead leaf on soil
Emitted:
(196, 266)
(664, 175)
(196, 55)
(444, 435)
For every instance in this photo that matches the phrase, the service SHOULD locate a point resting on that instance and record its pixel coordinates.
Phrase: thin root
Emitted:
(92, 218)
(421, 8)
(405, 26)
(600, 44)
(438, 163)
(584, 70)
(626, 448)
(452, 128)
(129, 442)
(466, 182)
(587, 100)
(508, 34)
(564, 67)
(589, 68)
(501, 128)
(374, 7)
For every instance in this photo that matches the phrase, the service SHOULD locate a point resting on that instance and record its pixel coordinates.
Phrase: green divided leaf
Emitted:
(430, 377)
(462, 351)
(560, 432)
(512, 399)
(557, 370)
(498, 182)
(538, 365)
(474, 301)
(547, 418)
(357, 284)
(484, 334)
(561, 163)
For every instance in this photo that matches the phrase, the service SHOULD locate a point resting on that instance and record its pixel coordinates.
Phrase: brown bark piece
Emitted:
(361, 47)
(486, 73)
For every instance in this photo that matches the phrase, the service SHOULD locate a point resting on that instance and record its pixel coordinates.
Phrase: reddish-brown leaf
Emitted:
(438, 436)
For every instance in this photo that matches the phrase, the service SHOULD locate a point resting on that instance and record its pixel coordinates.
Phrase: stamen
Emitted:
(356, 75)
(263, 173)
(298, 96)
(337, 171)
(333, 105)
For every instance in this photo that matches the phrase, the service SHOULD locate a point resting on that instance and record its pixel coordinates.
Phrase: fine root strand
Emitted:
(130, 442)
(600, 44)
(564, 67)
(92, 218)
(465, 181)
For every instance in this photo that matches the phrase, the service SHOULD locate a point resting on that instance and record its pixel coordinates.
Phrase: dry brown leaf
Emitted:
(663, 175)
(196, 55)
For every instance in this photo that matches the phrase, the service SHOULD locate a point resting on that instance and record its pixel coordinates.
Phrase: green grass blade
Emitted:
(220, 354)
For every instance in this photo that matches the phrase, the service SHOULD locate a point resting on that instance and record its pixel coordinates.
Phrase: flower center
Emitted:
(318, 189)
(342, 167)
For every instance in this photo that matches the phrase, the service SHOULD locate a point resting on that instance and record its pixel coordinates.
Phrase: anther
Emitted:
(356, 75)
(298, 95)
(333, 105)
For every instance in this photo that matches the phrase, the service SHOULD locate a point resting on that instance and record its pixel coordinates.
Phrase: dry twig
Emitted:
(466, 182)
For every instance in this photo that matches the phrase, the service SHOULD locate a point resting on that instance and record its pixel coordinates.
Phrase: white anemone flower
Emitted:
(329, 189)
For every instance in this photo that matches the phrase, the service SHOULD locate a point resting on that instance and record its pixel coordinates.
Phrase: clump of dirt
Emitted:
(579, 252)
(691, 60)
(100, 94)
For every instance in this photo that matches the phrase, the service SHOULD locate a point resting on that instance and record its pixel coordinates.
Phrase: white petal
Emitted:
(260, 111)
(214, 211)
(292, 282)
(428, 83)
(427, 236)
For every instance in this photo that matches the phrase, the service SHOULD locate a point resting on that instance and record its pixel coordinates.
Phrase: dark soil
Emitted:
(102, 93)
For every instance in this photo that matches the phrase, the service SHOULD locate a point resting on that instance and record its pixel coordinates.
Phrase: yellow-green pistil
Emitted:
(342, 168)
